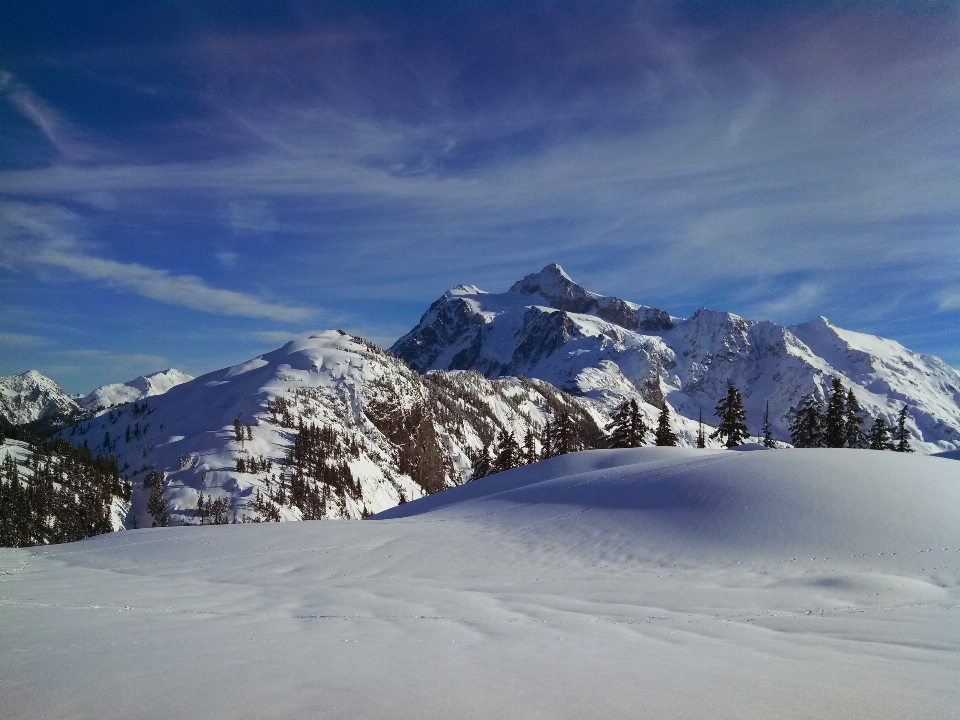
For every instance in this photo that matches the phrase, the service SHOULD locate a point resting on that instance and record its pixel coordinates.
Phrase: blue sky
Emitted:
(188, 183)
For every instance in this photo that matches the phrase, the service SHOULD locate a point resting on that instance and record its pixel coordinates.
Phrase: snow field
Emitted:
(649, 583)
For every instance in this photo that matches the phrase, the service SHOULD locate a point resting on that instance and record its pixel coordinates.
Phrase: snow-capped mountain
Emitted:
(107, 396)
(31, 396)
(549, 327)
(385, 434)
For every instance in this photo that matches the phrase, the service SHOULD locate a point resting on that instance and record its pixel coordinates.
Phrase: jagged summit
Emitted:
(31, 396)
(549, 327)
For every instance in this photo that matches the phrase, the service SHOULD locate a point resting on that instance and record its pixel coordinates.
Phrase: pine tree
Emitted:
(834, 435)
(732, 418)
(563, 434)
(507, 454)
(665, 436)
(529, 448)
(238, 431)
(806, 423)
(156, 505)
(546, 444)
(901, 434)
(701, 436)
(853, 434)
(767, 430)
(627, 428)
(481, 464)
(879, 436)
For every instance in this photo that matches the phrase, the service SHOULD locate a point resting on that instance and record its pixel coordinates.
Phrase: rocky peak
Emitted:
(558, 288)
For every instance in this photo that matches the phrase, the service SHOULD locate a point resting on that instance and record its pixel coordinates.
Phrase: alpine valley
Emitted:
(330, 425)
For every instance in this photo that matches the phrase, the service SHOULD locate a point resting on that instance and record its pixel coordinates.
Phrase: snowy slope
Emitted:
(652, 583)
(400, 434)
(30, 396)
(548, 327)
(23, 457)
(107, 396)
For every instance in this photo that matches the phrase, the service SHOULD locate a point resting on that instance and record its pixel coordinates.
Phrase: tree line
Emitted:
(838, 423)
(66, 495)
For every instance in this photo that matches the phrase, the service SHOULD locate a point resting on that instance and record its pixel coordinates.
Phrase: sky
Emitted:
(189, 184)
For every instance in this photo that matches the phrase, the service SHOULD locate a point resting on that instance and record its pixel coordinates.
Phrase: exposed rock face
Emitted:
(549, 327)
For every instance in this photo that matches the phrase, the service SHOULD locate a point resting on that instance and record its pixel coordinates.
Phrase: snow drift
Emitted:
(647, 583)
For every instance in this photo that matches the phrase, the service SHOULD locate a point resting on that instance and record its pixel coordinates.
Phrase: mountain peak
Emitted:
(558, 288)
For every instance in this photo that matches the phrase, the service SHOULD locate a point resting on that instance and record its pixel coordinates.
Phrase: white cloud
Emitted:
(20, 340)
(33, 236)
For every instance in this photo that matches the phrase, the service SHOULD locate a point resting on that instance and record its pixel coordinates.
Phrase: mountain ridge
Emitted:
(549, 327)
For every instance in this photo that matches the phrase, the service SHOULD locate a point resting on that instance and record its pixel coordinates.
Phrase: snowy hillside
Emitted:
(145, 386)
(649, 583)
(30, 396)
(548, 327)
(381, 433)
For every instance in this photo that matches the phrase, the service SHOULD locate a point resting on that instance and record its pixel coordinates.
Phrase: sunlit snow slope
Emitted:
(649, 583)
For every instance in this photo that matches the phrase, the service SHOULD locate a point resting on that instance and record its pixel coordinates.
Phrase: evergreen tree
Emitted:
(563, 434)
(546, 444)
(853, 434)
(732, 418)
(701, 436)
(767, 430)
(156, 505)
(481, 464)
(238, 431)
(879, 436)
(665, 435)
(507, 454)
(806, 423)
(901, 434)
(529, 448)
(834, 434)
(627, 428)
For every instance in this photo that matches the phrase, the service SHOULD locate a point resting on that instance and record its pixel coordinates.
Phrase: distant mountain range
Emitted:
(364, 429)
(30, 396)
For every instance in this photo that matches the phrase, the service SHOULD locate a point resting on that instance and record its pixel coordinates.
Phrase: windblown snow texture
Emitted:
(649, 583)
(549, 327)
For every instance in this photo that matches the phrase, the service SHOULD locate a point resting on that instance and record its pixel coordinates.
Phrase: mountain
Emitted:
(30, 397)
(546, 326)
(326, 426)
(157, 383)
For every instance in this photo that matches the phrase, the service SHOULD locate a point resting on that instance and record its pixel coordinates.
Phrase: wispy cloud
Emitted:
(21, 340)
(32, 235)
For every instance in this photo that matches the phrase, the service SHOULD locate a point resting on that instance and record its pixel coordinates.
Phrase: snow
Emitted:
(30, 396)
(519, 332)
(649, 583)
(108, 396)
